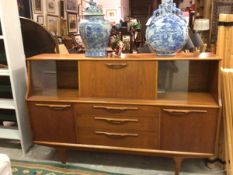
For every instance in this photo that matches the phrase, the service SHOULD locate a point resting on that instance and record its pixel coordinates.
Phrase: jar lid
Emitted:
(93, 9)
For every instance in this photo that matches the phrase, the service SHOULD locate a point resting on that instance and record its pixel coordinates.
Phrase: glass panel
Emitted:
(186, 80)
(54, 78)
(5, 87)
(173, 78)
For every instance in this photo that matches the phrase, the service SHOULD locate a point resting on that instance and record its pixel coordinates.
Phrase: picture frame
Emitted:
(40, 19)
(63, 9)
(53, 24)
(63, 27)
(72, 6)
(51, 6)
(37, 6)
(127, 40)
(111, 14)
(218, 7)
(72, 22)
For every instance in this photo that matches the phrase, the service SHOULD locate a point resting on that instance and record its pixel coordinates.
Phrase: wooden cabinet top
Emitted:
(128, 57)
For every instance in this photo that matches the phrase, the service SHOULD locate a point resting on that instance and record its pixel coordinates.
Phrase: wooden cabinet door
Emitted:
(189, 130)
(52, 122)
(118, 79)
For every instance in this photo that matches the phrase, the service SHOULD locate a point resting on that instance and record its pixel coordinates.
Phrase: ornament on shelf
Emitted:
(167, 30)
(94, 31)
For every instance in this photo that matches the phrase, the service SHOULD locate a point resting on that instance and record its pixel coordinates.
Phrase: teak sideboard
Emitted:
(139, 103)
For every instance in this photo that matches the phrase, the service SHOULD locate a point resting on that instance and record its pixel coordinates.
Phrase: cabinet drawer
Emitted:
(118, 138)
(189, 129)
(52, 122)
(119, 123)
(108, 109)
(118, 79)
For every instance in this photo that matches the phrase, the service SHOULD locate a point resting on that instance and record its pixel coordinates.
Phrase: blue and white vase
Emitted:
(167, 30)
(94, 31)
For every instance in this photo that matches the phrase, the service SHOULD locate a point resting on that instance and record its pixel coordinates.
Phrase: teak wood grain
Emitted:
(189, 129)
(118, 79)
(127, 57)
(116, 109)
(112, 104)
(52, 122)
(130, 139)
(127, 123)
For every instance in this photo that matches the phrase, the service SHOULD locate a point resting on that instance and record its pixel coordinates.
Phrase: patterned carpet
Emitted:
(39, 168)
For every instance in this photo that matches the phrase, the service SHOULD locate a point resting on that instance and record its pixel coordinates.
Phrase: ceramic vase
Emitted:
(94, 31)
(167, 30)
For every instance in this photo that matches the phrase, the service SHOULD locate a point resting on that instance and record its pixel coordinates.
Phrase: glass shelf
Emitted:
(58, 79)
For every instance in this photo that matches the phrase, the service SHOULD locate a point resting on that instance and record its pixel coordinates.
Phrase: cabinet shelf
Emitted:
(187, 98)
(9, 133)
(7, 104)
(1, 37)
(191, 99)
(56, 94)
(4, 72)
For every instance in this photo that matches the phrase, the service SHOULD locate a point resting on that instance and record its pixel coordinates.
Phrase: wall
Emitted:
(118, 8)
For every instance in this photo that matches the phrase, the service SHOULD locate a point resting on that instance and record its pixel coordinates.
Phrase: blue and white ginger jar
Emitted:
(94, 31)
(167, 30)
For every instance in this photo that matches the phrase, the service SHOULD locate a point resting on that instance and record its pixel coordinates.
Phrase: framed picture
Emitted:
(37, 6)
(63, 9)
(72, 22)
(40, 19)
(111, 14)
(127, 40)
(53, 24)
(72, 6)
(218, 7)
(51, 6)
(63, 27)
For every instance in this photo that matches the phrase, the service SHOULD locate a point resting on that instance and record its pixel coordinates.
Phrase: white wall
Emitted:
(125, 11)
(121, 7)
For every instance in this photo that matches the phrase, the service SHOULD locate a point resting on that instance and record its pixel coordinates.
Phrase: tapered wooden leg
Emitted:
(62, 155)
(178, 163)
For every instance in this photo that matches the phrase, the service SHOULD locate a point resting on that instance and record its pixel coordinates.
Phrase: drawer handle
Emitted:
(116, 65)
(183, 112)
(112, 134)
(115, 108)
(54, 107)
(116, 121)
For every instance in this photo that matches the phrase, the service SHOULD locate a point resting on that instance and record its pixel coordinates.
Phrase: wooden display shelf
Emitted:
(55, 94)
(125, 57)
(185, 99)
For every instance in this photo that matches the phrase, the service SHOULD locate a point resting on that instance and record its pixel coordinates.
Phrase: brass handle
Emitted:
(116, 65)
(183, 112)
(117, 108)
(116, 121)
(113, 134)
(54, 107)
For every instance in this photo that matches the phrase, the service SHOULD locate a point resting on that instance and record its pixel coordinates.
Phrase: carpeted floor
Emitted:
(48, 168)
